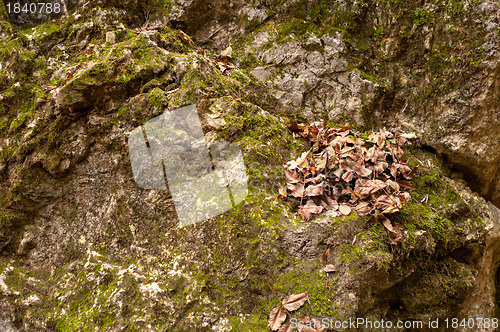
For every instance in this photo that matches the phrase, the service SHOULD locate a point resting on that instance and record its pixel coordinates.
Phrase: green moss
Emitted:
(372, 78)
(422, 16)
(8, 47)
(159, 9)
(25, 112)
(48, 28)
(157, 98)
(3, 123)
(349, 255)
(250, 322)
(307, 277)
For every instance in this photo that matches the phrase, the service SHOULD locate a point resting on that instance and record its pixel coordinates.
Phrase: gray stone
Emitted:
(111, 37)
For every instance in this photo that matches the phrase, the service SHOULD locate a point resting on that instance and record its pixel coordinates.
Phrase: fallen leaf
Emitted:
(282, 191)
(405, 184)
(395, 150)
(291, 175)
(383, 202)
(366, 187)
(293, 126)
(226, 54)
(401, 169)
(329, 268)
(314, 190)
(277, 317)
(300, 162)
(380, 166)
(326, 202)
(386, 222)
(348, 176)
(185, 37)
(393, 184)
(394, 231)
(345, 209)
(396, 236)
(326, 255)
(391, 209)
(363, 208)
(287, 327)
(320, 160)
(308, 324)
(295, 301)
(295, 189)
(405, 196)
(307, 211)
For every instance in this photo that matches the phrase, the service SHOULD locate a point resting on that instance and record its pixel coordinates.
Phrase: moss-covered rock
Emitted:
(84, 248)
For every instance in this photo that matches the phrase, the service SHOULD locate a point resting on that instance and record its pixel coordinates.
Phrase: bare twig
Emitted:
(272, 290)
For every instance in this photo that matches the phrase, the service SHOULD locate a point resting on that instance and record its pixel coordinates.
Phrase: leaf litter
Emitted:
(278, 314)
(344, 172)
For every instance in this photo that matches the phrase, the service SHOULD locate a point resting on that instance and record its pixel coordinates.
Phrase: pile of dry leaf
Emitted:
(291, 303)
(344, 171)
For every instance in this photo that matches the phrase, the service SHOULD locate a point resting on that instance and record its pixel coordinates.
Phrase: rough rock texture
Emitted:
(84, 248)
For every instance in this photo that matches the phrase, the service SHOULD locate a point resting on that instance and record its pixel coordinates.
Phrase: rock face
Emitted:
(84, 248)
(428, 68)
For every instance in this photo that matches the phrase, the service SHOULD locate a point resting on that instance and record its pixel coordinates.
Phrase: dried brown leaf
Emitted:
(363, 208)
(308, 210)
(326, 202)
(326, 255)
(394, 231)
(315, 190)
(348, 176)
(380, 166)
(282, 192)
(329, 268)
(395, 150)
(295, 301)
(391, 209)
(332, 157)
(393, 184)
(401, 169)
(383, 202)
(405, 196)
(295, 189)
(386, 222)
(227, 53)
(405, 184)
(287, 327)
(396, 236)
(291, 175)
(366, 187)
(300, 162)
(316, 179)
(276, 317)
(338, 172)
(293, 126)
(308, 324)
(345, 209)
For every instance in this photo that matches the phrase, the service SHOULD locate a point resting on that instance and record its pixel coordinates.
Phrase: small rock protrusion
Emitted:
(110, 37)
(26, 244)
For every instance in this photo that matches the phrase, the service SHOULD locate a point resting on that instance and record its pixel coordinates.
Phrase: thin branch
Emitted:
(272, 290)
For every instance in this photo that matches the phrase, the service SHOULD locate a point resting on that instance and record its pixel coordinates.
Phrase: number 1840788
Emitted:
(33, 8)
